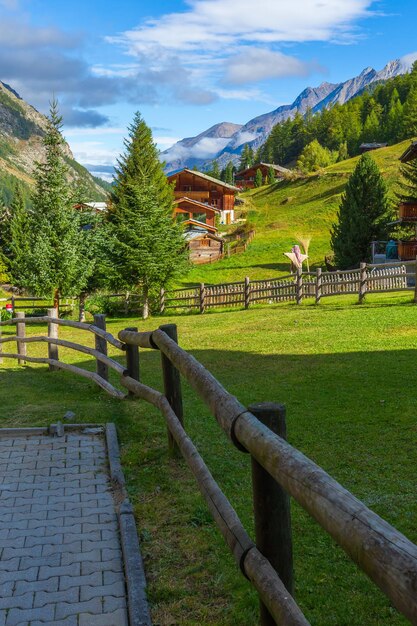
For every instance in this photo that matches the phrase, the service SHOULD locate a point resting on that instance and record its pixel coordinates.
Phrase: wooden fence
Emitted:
(295, 287)
(278, 469)
(22, 303)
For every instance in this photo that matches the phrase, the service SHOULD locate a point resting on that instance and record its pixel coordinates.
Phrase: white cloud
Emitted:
(237, 40)
(164, 143)
(94, 152)
(256, 64)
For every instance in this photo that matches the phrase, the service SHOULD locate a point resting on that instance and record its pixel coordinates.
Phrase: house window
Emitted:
(187, 188)
(214, 201)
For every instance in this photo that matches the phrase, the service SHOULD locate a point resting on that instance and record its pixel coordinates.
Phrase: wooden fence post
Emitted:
(101, 345)
(21, 333)
(53, 333)
(319, 279)
(172, 386)
(132, 360)
(415, 286)
(362, 282)
(247, 292)
(162, 300)
(299, 286)
(202, 298)
(272, 508)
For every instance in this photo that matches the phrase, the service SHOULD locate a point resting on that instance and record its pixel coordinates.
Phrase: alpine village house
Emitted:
(200, 202)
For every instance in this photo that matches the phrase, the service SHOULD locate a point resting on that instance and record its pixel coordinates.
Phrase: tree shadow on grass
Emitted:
(351, 412)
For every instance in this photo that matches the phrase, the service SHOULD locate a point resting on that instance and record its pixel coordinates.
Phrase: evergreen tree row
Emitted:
(50, 249)
(384, 113)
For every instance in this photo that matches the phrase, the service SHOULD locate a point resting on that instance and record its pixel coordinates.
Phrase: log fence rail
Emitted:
(279, 470)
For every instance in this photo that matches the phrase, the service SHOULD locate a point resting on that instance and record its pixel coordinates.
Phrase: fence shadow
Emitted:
(353, 413)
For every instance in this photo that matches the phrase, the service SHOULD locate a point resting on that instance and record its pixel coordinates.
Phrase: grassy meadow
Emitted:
(346, 374)
(306, 206)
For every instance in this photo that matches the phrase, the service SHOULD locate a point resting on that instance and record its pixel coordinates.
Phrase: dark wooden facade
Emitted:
(189, 209)
(245, 179)
(204, 247)
(205, 190)
(410, 153)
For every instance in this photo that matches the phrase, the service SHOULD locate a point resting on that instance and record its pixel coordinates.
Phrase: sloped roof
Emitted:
(194, 234)
(201, 225)
(277, 168)
(206, 177)
(410, 153)
(201, 205)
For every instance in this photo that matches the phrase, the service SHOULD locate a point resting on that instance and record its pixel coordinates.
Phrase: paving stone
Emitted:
(17, 616)
(116, 589)
(24, 601)
(49, 584)
(66, 582)
(64, 609)
(60, 556)
(118, 618)
(43, 598)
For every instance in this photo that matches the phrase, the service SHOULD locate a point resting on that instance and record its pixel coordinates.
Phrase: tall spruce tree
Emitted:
(53, 261)
(363, 215)
(258, 182)
(148, 247)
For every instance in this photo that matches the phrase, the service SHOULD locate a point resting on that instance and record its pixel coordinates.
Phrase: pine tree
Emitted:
(363, 215)
(258, 182)
(147, 244)
(410, 113)
(52, 261)
(271, 176)
(407, 186)
(247, 156)
(229, 173)
(214, 171)
(19, 228)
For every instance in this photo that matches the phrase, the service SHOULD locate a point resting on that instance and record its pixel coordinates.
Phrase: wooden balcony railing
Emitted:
(407, 250)
(408, 211)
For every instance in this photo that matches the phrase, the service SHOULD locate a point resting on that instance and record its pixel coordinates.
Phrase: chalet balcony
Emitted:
(408, 211)
(384, 251)
(407, 250)
(200, 196)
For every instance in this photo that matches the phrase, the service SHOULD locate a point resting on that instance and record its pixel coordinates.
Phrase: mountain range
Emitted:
(22, 129)
(224, 142)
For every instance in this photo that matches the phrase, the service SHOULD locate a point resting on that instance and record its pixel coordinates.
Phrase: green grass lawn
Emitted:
(306, 207)
(347, 376)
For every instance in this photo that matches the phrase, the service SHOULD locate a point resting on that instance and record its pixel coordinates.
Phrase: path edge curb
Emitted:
(138, 608)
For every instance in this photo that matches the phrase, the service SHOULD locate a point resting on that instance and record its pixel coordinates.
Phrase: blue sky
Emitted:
(187, 65)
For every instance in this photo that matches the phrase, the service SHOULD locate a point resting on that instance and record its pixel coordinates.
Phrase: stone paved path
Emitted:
(60, 557)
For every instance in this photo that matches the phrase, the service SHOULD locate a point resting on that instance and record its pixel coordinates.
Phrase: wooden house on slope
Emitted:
(402, 249)
(188, 209)
(207, 191)
(245, 179)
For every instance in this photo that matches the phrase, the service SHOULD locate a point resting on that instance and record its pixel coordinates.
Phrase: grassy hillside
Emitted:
(350, 407)
(306, 206)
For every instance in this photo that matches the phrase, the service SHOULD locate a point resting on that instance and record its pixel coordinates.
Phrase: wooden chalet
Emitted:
(188, 209)
(367, 147)
(245, 179)
(207, 191)
(407, 215)
(204, 246)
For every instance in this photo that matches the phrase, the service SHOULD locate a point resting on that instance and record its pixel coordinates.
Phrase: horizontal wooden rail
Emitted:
(386, 555)
(68, 344)
(61, 322)
(115, 393)
(253, 564)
